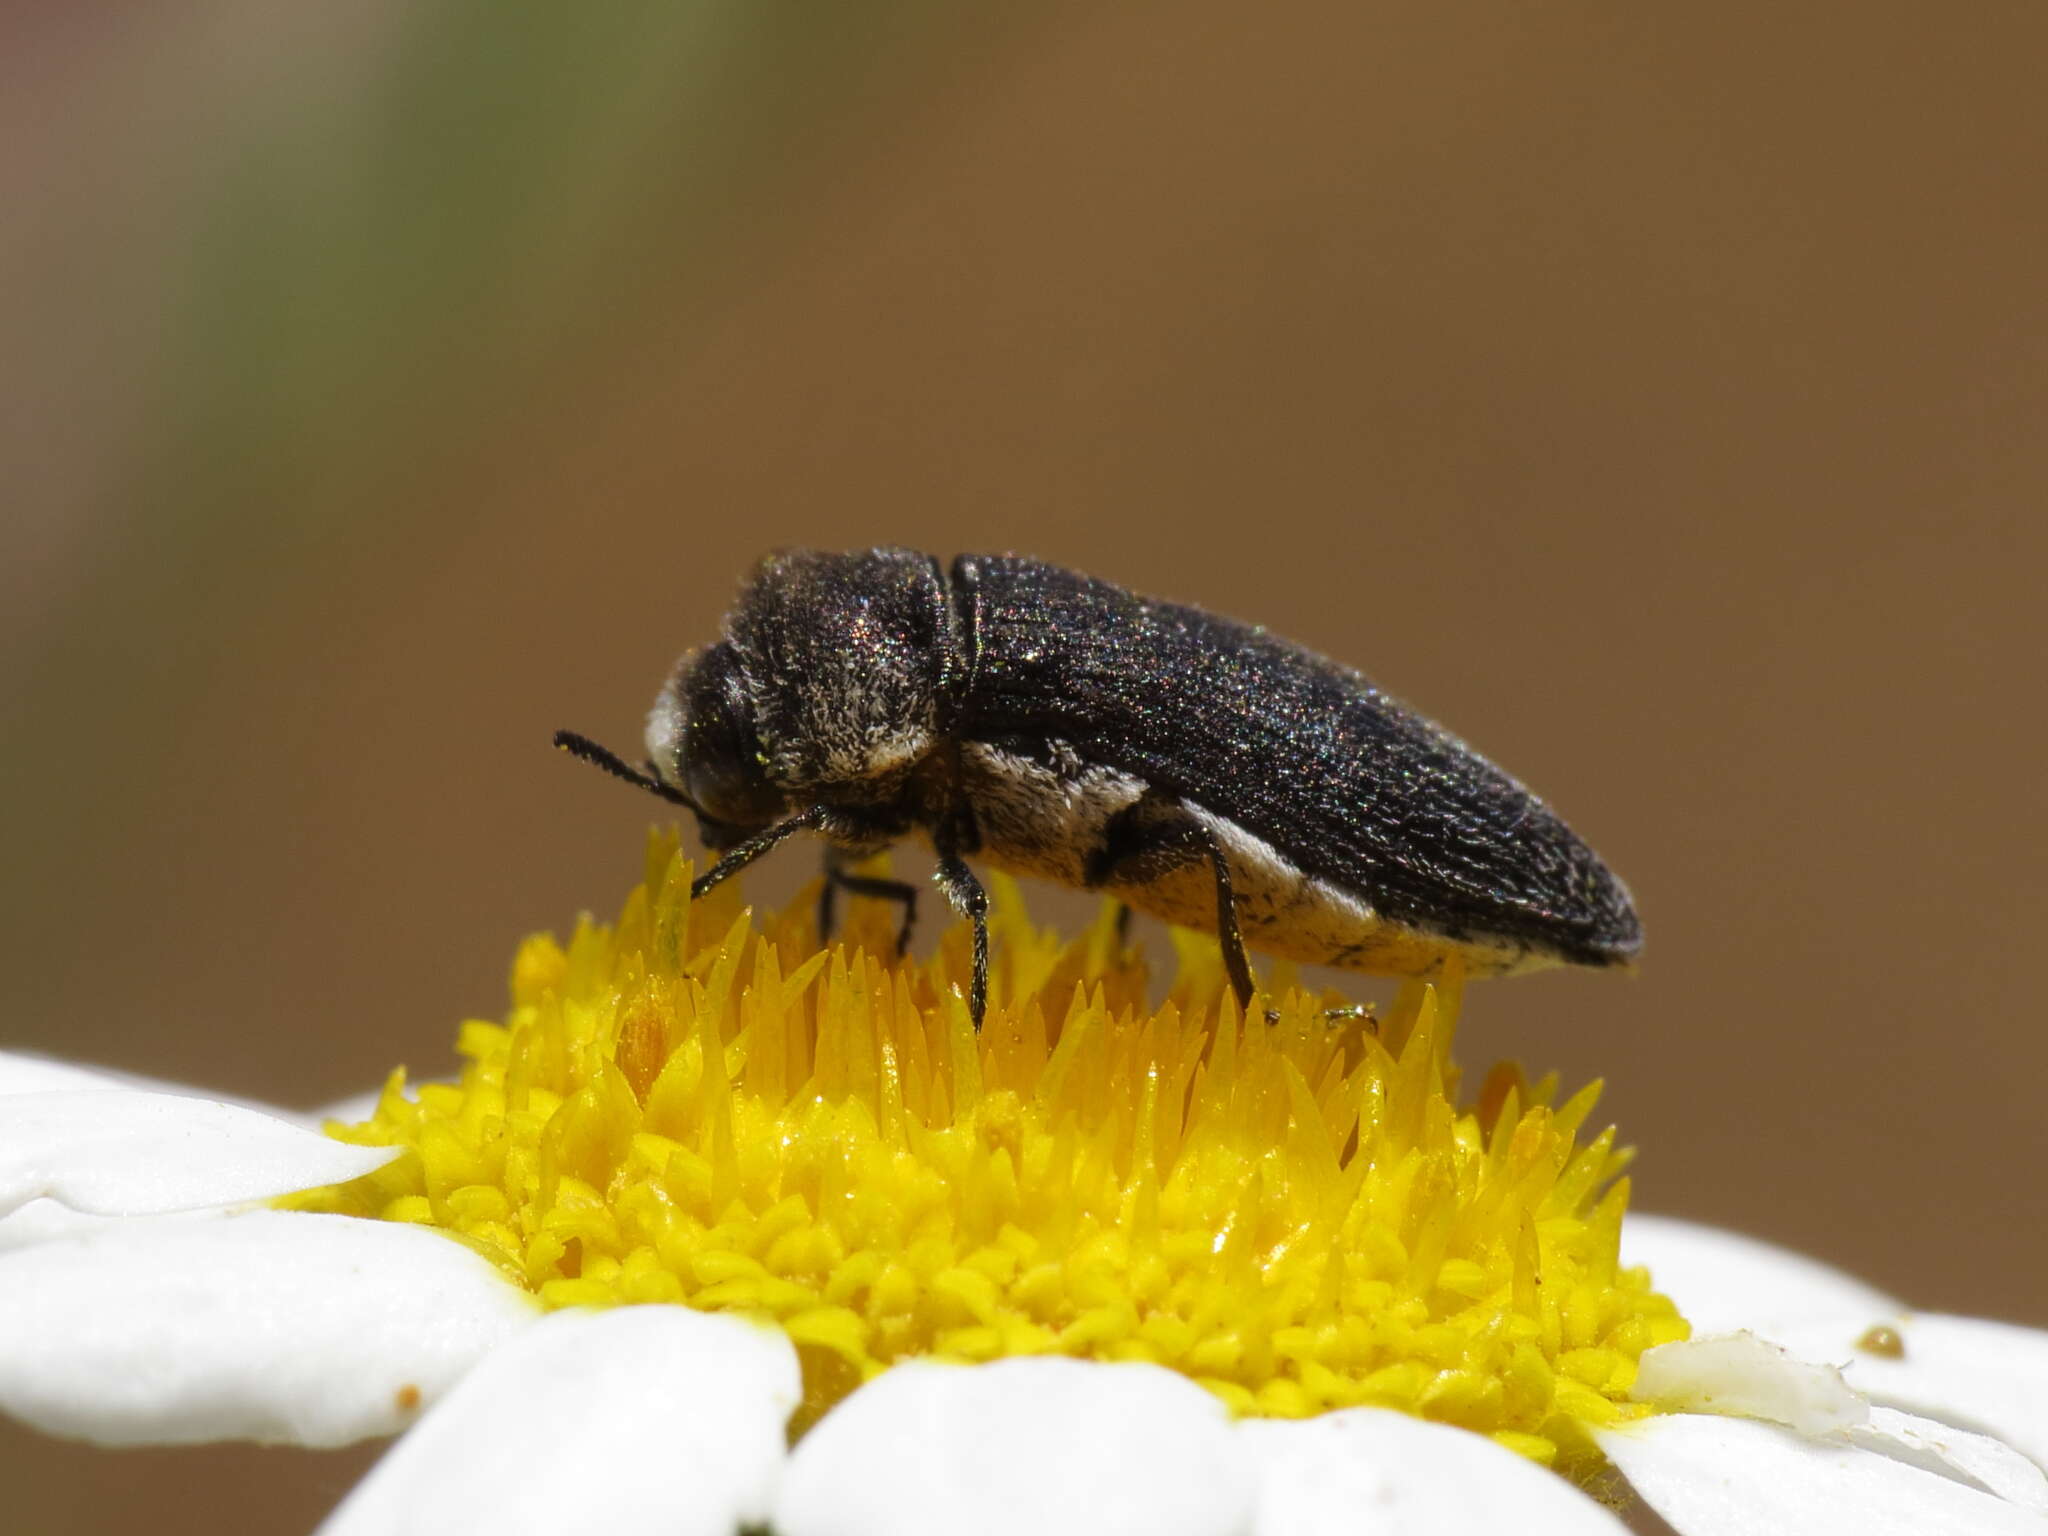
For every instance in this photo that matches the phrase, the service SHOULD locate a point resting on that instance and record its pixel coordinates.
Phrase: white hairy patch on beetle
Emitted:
(1042, 821)
(1046, 820)
(854, 727)
(846, 754)
(665, 730)
(888, 751)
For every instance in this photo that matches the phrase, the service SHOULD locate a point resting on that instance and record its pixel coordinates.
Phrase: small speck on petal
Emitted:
(1372, 1470)
(117, 1152)
(1737, 1477)
(640, 1419)
(1967, 1371)
(264, 1325)
(1742, 1374)
(1021, 1447)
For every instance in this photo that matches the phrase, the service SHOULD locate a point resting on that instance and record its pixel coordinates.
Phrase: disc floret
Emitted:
(692, 1105)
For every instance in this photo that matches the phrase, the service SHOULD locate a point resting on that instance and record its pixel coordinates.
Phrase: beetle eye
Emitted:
(722, 765)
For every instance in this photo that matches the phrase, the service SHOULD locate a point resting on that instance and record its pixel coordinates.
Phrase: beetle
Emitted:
(1058, 726)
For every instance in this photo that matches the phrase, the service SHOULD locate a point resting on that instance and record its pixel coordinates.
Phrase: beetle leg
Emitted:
(837, 878)
(749, 849)
(968, 898)
(1364, 1015)
(1235, 961)
(1145, 840)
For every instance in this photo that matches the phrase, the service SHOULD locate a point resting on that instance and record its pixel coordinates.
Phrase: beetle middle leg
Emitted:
(1150, 838)
(838, 878)
(970, 900)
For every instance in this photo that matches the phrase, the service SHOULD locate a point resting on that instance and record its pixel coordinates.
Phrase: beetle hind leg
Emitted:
(1152, 837)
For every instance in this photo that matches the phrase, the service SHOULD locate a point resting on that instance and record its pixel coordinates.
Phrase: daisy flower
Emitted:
(721, 1230)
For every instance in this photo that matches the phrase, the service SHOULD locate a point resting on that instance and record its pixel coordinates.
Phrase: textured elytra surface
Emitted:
(1347, 782)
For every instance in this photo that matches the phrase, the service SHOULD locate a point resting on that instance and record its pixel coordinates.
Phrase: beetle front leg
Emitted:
(743, 854)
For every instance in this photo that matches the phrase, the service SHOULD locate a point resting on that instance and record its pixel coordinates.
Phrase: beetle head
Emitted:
(702, 740)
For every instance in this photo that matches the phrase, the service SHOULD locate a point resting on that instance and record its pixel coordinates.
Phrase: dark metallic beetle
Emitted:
(1058, 726)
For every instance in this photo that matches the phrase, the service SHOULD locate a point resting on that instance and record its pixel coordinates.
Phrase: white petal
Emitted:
(1975, 1374)
(1724, 1282)
(21, 1072)
(41, 1220)
(1021, 1446)
(1737, 1477)
(1372, 1470)
(115, 1152)
(1965, 1371)
(1977, 1460)
(650, 1418)
(25, 1072)
(1741, 1373)
(264, 1325)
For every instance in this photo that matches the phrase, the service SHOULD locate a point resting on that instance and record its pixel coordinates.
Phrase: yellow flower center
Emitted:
(693, 1107)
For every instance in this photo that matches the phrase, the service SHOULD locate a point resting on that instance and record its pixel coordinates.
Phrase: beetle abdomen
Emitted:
(1042, 812)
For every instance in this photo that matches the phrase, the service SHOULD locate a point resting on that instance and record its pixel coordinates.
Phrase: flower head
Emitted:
(1104, 1267)
(1296, 1214)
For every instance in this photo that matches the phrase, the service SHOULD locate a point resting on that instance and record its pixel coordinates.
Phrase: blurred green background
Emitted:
(1653, 395)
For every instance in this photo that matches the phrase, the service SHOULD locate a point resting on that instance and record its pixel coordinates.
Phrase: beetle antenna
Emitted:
(619, 768)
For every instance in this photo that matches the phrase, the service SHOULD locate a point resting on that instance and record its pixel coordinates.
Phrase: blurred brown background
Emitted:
(1653, 394)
